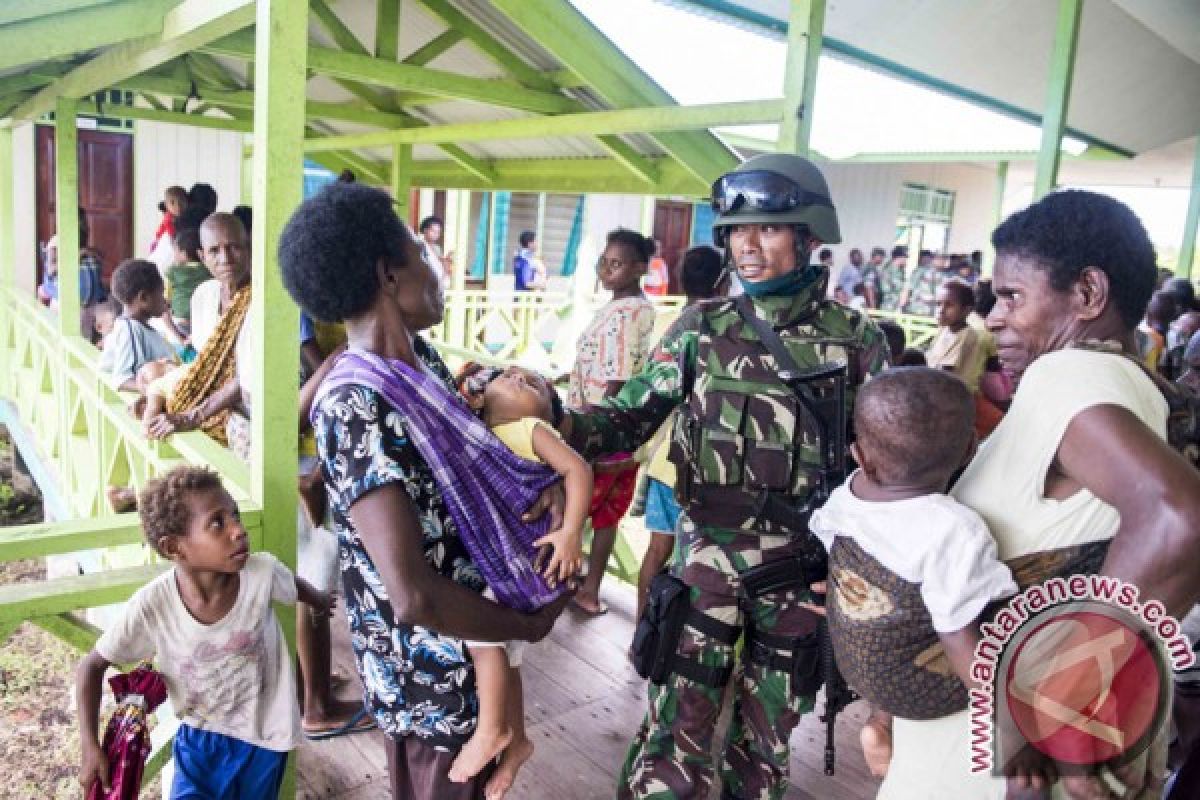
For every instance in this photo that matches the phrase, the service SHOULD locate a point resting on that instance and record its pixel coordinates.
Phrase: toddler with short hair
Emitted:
(209, 625)
(523, 410)
(132, 343)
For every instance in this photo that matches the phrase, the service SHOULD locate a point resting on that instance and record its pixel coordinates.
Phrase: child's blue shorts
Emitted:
(662, 512)
(212, 766)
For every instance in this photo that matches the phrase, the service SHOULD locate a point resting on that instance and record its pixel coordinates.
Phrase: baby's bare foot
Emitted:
(510, 764)
(876, 740)
(478, 752)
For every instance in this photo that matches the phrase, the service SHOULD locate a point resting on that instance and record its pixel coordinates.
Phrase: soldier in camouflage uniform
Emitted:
(920, 291)
(891, 279)
(745, 451)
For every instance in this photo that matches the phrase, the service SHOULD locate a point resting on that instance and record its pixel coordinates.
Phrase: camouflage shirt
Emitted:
(825, 332)
(891, 283)
(922, 289)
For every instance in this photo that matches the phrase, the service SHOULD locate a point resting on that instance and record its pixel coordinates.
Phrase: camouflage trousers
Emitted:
(671, 757)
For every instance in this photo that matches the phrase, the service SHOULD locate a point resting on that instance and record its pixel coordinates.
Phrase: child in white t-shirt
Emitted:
(209, 626)
(909, 566)
(132, 343)
(523, 410)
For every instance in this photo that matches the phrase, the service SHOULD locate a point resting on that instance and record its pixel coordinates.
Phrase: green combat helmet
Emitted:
(775, 188)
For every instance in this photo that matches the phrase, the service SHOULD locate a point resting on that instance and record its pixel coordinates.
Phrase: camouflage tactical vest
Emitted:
(745, 447)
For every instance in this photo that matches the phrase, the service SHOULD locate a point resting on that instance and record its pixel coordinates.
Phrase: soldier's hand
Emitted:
(817, 588)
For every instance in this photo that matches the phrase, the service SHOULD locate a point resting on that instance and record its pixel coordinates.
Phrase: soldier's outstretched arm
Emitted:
(623, 423)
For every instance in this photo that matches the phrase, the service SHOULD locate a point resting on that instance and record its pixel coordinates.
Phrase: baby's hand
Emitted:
(566, 555)
(1030, 775)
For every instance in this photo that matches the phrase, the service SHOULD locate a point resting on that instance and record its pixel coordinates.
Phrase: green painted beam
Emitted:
(1187, 250)
(20, 10)
(1058, 95)
(152, 101)
(208, 70)
(576, 43)
(178, 118)
(281, 75)
(85, 29)
(624, 153)
(436, 82)
(387, 29)
(34, 79)
(66, 213)
(401, 178)
(240, 98)
(477, 167)
(487, 44)
(68, 628)
(632, 120)
(8, 253)
(806, 28)
(21, 601)
(68, 536)
(188, 26)
(566, 79)
(770, 25)
(573, 175)
(433, 48)
(989, 253)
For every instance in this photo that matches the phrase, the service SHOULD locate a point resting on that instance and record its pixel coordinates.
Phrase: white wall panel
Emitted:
(164, 155)
(24, 207)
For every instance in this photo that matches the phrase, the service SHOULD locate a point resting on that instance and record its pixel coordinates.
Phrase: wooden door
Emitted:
(105, 192)
(673, 230)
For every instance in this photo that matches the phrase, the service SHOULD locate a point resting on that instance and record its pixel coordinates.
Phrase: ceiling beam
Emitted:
(387, 29)
(406, 77)
(630, 120)
(575, 42)
(174, 118)
(433, 48)
(60, 35)
(18, 10)
(241, 98)
(192, 24)
(575, 175)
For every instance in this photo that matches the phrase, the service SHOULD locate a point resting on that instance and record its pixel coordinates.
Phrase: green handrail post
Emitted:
(281, 49)
(989, 260)
(401, 180)
(1058, 95)
(806, 29)
(66, 208)
(1187, 250)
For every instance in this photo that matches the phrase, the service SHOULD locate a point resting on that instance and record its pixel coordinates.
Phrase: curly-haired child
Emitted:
(209, 626)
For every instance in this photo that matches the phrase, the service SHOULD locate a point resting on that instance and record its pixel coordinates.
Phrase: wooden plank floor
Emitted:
(583, 703)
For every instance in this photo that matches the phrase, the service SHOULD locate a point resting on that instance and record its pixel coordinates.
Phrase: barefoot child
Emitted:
(523, 410)
(911, 570)
(209, 626)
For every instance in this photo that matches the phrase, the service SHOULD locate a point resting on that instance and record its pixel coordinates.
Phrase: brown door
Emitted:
(105, 192)
(673, 230)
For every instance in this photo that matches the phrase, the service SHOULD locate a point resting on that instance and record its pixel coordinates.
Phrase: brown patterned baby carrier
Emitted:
(883, 636)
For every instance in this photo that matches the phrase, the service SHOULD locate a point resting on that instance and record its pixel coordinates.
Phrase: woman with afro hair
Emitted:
(412, 590)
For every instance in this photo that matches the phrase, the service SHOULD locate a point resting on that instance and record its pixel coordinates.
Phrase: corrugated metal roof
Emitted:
(1137, 69)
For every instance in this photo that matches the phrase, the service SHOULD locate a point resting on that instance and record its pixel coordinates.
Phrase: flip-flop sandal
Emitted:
(362, 721)
(601, 609)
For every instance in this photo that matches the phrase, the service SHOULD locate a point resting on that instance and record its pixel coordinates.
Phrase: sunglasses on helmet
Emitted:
(762, 191)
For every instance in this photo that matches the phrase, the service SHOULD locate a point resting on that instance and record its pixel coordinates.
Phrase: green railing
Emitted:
(84, 436)
(919, 331)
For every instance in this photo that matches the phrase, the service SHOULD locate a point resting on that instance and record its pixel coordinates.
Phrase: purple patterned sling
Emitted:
(485, 486)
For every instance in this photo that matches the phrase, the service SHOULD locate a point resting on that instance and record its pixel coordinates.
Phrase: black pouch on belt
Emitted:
(656, 638)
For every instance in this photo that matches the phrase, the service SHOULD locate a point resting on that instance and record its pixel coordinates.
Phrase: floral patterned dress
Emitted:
(417, 682)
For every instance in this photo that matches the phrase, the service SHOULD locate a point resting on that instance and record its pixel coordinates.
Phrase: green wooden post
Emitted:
(402, 180)
(1187, 251)
(989, 260)
(66, 208)
(387, 29)
(806, 28)
(1058, 94)
(8, 253)
(281, 47)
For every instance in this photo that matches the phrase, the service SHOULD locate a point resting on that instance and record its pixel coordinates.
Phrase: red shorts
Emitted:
(612, 494)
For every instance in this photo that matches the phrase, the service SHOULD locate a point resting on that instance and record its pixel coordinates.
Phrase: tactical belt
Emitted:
(763, 650)
(696, 672)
